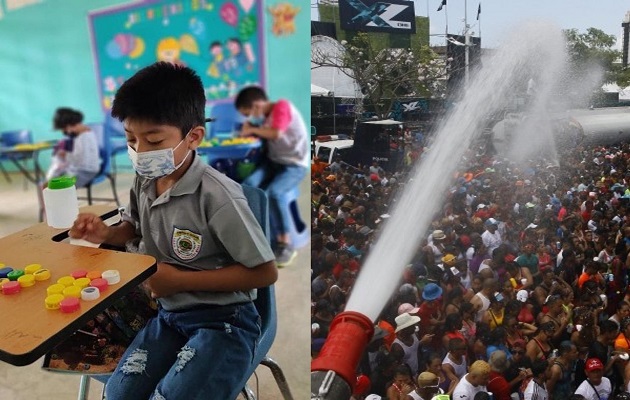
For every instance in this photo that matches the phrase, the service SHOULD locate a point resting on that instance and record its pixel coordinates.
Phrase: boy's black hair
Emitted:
(65, 116)
(247, 96)
(163, 93)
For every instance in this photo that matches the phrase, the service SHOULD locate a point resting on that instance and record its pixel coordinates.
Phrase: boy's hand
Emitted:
(89, 227)
(247, 130)
(164, 282)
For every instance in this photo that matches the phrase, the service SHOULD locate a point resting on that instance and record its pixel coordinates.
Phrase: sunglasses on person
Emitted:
(431, 387)
(521, 352)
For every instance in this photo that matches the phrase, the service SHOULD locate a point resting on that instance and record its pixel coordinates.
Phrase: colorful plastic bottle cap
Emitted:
(15, 274)
(90, 293)
(66, 280)
(93, 275)
(100, 283)
(79, 273)
(3, 281)
(112, 276)
(27, 280)
(42, 275)
(69, 304)
(57, 288)
(82, 282)
(31, 268)
(72, 291)
(5, 271)
(52, 302)
(11, 287)
(2, 265)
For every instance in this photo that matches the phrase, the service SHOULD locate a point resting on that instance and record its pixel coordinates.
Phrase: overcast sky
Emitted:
(498, 16)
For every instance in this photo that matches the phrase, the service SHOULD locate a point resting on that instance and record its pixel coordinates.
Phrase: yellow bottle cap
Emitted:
(82, 282)
(57, 288)
(26, 280)
(42, 275)
(52, 301)
(3, 280)
(66, 280)
(31, 268)
(72, 291)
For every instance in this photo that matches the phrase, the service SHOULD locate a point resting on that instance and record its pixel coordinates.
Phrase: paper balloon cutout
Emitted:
(125, 44)
(246, 4)
(197, 27)
(229, 13)
(247, 27)
(189, 44)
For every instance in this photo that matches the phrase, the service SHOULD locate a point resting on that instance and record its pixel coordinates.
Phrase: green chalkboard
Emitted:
(221, 40)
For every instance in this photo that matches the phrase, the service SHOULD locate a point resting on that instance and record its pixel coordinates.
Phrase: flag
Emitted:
(478, 11)
(442, 4)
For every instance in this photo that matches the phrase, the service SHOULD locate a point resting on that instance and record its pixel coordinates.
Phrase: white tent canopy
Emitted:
(319, 91)
(332, 78)
(624, 93)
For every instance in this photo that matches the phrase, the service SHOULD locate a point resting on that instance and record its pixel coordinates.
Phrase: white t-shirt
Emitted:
(466, 391)
(411, 353)
(534, 391)
(603, 389)
(84, 155)
(491, 240)
(459, 369)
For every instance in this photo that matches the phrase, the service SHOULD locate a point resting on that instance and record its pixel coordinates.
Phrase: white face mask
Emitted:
(156, 163)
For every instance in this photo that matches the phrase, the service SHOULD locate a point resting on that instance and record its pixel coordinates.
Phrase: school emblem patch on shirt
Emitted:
(186, 244)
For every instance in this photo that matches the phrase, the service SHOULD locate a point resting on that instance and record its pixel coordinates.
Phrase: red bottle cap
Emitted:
(79, 273)
(69, 304)
(100, 283)
(11, 287)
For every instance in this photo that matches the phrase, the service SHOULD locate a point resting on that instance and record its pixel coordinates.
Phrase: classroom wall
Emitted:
(47, 62)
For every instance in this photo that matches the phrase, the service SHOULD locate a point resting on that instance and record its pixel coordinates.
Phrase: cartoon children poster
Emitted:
(221, 40)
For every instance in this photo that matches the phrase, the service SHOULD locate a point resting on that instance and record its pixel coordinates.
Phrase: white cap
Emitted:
(522, 296)
(112, 276)
(90, 293)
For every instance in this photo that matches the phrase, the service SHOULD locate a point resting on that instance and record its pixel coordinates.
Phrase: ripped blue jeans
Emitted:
(191, 354)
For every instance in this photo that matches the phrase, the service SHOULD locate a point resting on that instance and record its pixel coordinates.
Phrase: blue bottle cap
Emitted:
(4, 272)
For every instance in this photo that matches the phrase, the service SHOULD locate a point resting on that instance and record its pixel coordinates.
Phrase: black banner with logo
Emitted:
(392, 16)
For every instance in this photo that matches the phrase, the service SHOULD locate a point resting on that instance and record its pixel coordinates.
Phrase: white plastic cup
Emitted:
(523, 281)
(60, 202)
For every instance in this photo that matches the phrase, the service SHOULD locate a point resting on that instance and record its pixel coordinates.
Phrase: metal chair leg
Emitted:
(84, 387)
(248, 393)
(278, 375)
(89, 194)
(5, 173)
(112, 181)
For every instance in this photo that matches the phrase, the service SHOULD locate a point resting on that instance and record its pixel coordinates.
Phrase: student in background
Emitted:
(77, 154)
(286, 162)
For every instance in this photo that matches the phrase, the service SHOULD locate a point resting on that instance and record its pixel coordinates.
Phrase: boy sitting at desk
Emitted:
(286, 162)
(211, 251)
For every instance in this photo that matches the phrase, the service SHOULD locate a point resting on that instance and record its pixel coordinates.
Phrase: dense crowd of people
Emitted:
(520, 288)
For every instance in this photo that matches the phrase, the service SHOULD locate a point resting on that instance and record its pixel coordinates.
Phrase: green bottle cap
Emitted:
(61, 182)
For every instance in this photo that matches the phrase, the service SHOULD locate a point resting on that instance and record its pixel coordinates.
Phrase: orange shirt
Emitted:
(622, 342)
(586, 277)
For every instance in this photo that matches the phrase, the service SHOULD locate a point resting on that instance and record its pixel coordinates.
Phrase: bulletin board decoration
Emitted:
(283, 18)
(222, 40)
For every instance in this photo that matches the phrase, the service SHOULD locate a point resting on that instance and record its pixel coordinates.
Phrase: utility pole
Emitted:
(466, 44)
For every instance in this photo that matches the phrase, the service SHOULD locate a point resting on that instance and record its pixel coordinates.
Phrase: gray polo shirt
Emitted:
(202, 223)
